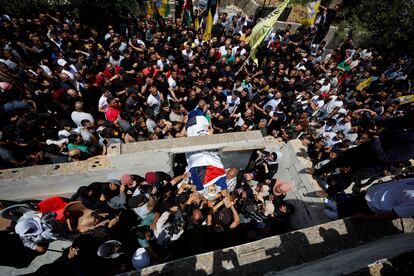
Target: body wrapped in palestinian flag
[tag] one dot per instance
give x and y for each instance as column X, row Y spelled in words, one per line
column 206, row 169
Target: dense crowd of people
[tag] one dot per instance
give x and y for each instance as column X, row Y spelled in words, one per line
column 68, row 91
column 134, row 221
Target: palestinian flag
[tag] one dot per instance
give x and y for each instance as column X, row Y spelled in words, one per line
column 197, row 123
column 187, row 13
column 206, row 169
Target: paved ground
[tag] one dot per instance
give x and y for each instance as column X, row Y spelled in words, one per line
column 308, row 207
column 54, row 252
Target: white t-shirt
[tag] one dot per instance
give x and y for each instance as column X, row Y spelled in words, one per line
column 329, row 139
column 171, row 82
column 161, row 64
column 185, row 54
column 332, row 104
column 242, row 52
column 318, row 101
column 340, row 127
column 273, row 103
column 78, row 117
column 223, row 50
column 397, row 196
column 151, row 125
column 163, row 237
column 232, row 103
column 154, row 102
column 103, row 104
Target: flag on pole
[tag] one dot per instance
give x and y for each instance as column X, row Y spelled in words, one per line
column 262, row 28
column 209, row 27
column 364, row 84
column 197, row 23
column 187, row 13
column 313, row 9
column 406, row 99
column 150, row 7
column 163, row 7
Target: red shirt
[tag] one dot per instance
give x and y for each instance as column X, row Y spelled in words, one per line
column 112, row 114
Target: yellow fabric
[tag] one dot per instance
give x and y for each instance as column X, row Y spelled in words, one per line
column 150, row 7
column 209, row 26
column 197, row 23
column 406, row 99
column 313, row 9
column 262, row 28
column 162, row 7
column 364, row 84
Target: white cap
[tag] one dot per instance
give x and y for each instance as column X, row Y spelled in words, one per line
column 61, row 62
column 140, row 259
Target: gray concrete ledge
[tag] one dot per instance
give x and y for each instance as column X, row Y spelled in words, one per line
column 283, row 251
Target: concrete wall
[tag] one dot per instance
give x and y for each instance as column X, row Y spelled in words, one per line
column 137, row 158
column 286, row 250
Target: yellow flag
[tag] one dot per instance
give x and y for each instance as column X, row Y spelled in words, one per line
column 197, row 23
column 262, row 28
column 406, row 99
column 364, row 84
column 149, row 7
column 313, row 9
column 209, row 26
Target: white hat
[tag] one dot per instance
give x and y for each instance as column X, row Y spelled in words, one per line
column 140, row 259
column 61, row 62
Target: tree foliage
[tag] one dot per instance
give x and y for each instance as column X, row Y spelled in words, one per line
column 95, row 12
column 388, row 24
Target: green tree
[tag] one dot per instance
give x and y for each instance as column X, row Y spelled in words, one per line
column 388, row 24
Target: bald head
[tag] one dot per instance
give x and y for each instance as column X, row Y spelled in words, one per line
column 232, row 172
column 281, row 187
column 78, row 105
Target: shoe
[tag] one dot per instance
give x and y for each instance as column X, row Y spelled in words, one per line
column 321, row 194
column 331, row 214
column 309, row 170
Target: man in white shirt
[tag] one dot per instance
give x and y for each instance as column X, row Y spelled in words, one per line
column 227, row 46
column 78, row 115
column 162, row 62
column 232, row 103
column 241, row 47
column 277, row 99
column 332, row 138
column 154, row 100
column 343, row 125
column 187, row 52
column 172, row 80
column 334, row 104
column 102, row 103
column 388, row 200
